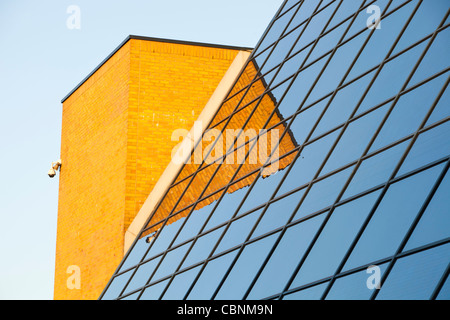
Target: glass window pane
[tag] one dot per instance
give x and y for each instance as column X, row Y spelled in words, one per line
column 434, row 225
column 442, row 109
column 343, row 105
column 337, row 68
column 393, row 217
column 307, row 8
column 353, row 286
column 409, row 113
column 211, row 276
column 278, row 213
column 170, row 262
column 424, row 22
column 142, row 275
column 355, row 139
column 416, row 276
column 155, row 291
column 117, row 285
column 335, row 239
column 323, row 193
column 238, row 231
column 391, row 78
column 346, row 9
column 164, row 238
column 308, row 162
column 436, row 58
column 202, row 247
column 305, row 121
column 382, row 40
column 312, row 293
column 180, row 285
column 430, row 146
column 245, row 268
column 300, row 88
column 276, row 30
column 285, row 258
column 376, row 170
column 444, row 294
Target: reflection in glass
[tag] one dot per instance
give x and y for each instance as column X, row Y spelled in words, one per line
column 414, row 277
column 335, row 239
column 116, row 286
column 353, row 286
column 245, row 268
column 285, row 258
column 434, row 225
column 393, row 217
column 312, row 293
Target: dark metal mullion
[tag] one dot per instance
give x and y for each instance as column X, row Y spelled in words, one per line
column 441, row 283
column 383, row 192
column 411, row 229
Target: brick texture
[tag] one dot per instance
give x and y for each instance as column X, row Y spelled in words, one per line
column 115, row 144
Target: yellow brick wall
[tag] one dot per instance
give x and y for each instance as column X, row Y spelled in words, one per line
column 115, row 143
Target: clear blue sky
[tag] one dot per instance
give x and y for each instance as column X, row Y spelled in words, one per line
column 41, row 60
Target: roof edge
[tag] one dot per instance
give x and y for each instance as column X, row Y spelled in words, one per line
column 128, row 38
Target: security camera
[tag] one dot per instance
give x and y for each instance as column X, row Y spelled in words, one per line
column 56, row 165
column 51, row 173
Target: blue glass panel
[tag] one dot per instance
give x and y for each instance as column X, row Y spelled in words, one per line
column 444, row 294
column 408, row 113
column 334, row 240
column 308, row 162
column 353, row 286
column 315, row 27
column 155, row 291
column 211, row 276
column 264, row 186
column 305, row 121
column 442, row 108
column 285, row 258
column 307, row 8
column 430, row 146
column 376, row 170
column 142, row 275
column 424, row 22
column 245, row 269
column 436, row 58
column 164, row 238
column 133, row 296
column 117, row 285
column 202, row 247
column 193, row 224
column 226, row 208
column 299, row 89
column 382, row 40
column 276, row 30
column 392, row 219
column 312, row 293
column 391, row 78
column 361, row 21
column 337, row 68
column 355, row 139
column 343, row 104
column 290, row 67
column 434, row 225
column 323, row 193
column 416, row 276
column 180, row 285
column 327, row 42
column 346, row 9
column 238, row 231
column 278, row 213
column 170, row 262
